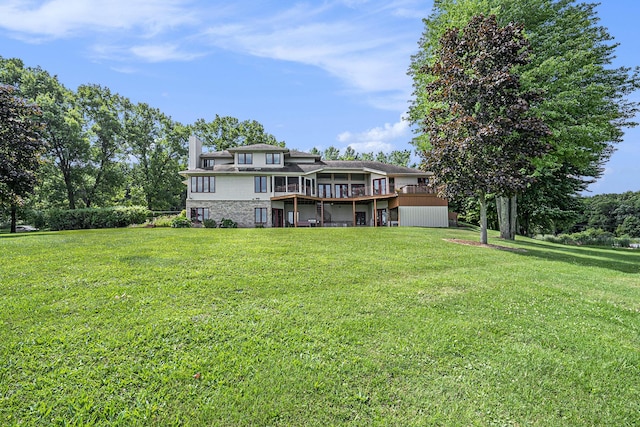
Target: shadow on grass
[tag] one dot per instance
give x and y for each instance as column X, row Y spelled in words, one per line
column 623, row 260
column 8, row 235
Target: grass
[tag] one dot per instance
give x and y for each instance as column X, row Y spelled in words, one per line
column 315, row 327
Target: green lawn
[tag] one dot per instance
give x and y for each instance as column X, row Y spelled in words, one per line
column 315, row 327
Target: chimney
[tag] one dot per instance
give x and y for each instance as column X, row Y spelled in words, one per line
column 195, row 150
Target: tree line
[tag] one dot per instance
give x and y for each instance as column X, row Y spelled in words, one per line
column 104, row 150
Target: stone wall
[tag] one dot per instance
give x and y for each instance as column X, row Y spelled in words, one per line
column 240, row 211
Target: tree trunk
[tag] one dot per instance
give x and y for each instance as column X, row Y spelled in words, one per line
column 13, row 217
column 507, row 214
column 483, row 219
column 514, row 217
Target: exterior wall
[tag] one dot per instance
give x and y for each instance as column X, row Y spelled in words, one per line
column 232, row 187
column 240, row 211
column 423, row 216
column 259, row 160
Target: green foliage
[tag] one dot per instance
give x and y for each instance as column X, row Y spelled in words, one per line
column 586, row 102
column 21, row 148
column 181, row 222
column 228, row 223
column 590, row 237
column 209, row 223
column 76, row 219
column 315, row 327
column 163, row 221
column 225, row 132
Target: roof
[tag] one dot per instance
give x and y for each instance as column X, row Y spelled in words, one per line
column 258, row 147
column 319, row 166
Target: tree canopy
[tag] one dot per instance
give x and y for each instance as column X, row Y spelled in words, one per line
column 585, row 103
column 21, row 147
column 482, row 137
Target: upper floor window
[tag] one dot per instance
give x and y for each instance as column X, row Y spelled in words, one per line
column 379, row 186
column 342, row 190
column 203, row 184
column 208, row 163
column 260, row 184
column 273, row 158
column 245, row 158
column 324, row 190
column 423, row 181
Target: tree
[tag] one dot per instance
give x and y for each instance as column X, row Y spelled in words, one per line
column 21, row 147
column 68, row 148
column 103, row 122
column 159, row 147
column 585, row 103
column 483, row 138
column 226, row 132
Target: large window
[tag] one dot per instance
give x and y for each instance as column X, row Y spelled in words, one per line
column 342, row 191
column 273, row 158
column 260, row 184
column 357, row 190
column 324, row 190
column 261, row 215
column 203, row 184
column 379, row 186
column 245, row 158
column 199, row 214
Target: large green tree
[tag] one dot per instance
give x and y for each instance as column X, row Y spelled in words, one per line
column 159, row 146
column 585, row 99
column 103, row 125
column 68, row 148
column 482, row 136
column 225, row 132
column 21, row 147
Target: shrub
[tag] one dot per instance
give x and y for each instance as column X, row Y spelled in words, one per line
column 228, row 223
column 163, row 221
column 75, row 219
column 181, row 222
column 209, row 223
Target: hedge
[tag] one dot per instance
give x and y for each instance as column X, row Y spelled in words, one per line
column 76, row 219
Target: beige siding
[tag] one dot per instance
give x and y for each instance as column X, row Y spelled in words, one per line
column 423, row 216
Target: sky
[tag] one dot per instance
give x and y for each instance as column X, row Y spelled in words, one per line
column 314, row 73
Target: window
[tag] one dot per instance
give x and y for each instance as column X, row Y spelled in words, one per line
column 379, row 186
column 203, row 184
column 199, row 214
column 357, row 190
column 208, row 163
column 423, row 181
column 324, row 190
column 260, row 184
column 273, row 158
column 342, row 190
column 245, row 158
column 280, row 183
column 261, row 215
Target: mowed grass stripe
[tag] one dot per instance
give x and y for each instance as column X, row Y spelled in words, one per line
column 354, row 326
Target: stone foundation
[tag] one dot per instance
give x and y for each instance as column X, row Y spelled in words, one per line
column 240, row 211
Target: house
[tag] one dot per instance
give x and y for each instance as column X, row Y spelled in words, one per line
column 268, row 186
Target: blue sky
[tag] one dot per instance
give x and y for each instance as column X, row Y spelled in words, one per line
column 315, row 73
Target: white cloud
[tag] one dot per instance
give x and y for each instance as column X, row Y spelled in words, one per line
column 366, row 44
column 382, row 138
column 67, row 18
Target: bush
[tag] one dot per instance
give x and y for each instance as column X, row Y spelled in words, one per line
column 163, row 221
column 209, row 223
column 181, row 222
column 228, row 223
column 75, row 219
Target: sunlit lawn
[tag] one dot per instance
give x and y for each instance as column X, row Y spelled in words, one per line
column 317, row 327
